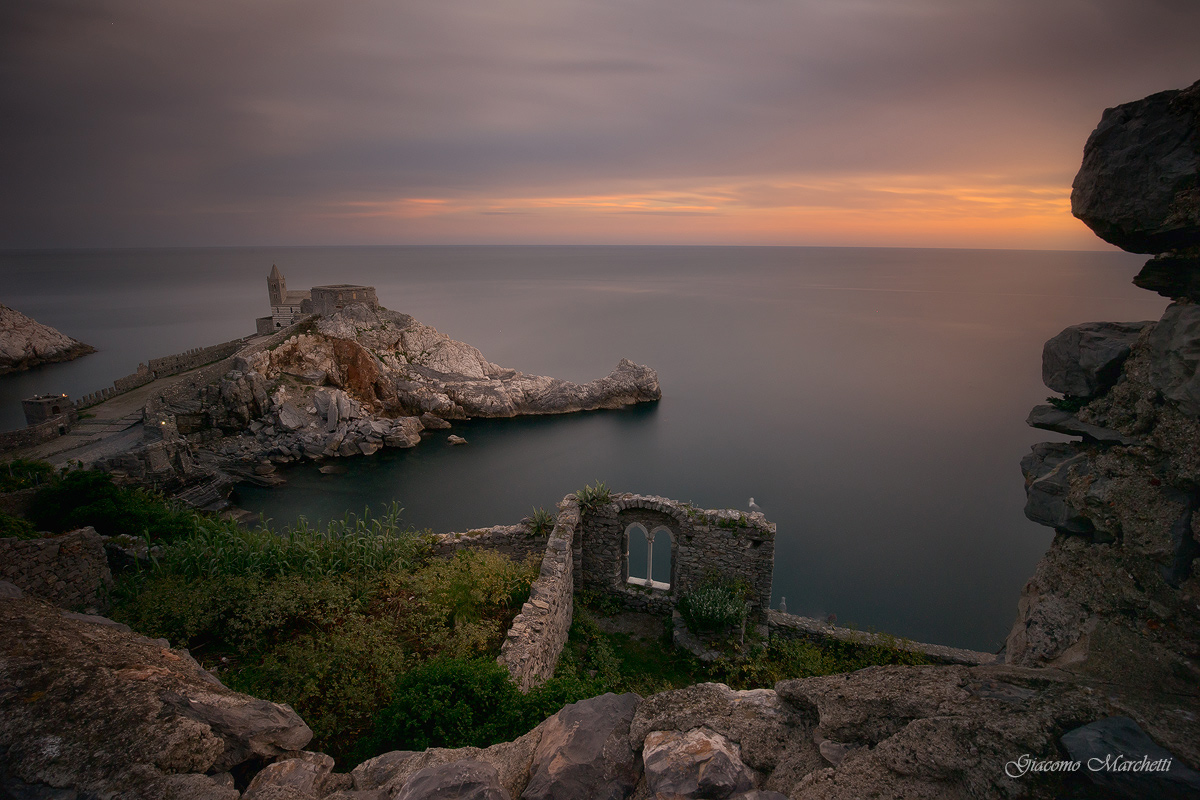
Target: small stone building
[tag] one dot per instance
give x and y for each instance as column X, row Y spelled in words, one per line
column 647, row 552
column 40, row 408
column 289, row 306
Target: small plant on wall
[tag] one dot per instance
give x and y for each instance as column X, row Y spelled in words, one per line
column 540, row 522
column 592, row 497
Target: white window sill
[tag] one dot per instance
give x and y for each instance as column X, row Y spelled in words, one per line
column 648, row 583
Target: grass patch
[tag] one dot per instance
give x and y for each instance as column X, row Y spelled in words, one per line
column 323, row 619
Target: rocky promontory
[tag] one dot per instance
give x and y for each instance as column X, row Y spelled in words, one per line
column 346, row 384
column 25, row 343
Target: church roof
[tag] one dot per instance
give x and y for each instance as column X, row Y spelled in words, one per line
column 275, row 273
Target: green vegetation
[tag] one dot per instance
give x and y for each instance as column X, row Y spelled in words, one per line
column 89, row 497
column 24, row 473
column 541, row 522
column 11, row 526
column 380, row 647
column 323, row 619
column 714, row 606
column 592, row 497
column 357, row 544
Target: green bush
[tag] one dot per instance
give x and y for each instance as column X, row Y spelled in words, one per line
column 475, row 583
column 24, row 473
column 714, row 605
column 89, row 497
column 17, row 527
column 336, row 679
column 449, row 703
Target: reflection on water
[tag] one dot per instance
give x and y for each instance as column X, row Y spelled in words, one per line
column 872, row 401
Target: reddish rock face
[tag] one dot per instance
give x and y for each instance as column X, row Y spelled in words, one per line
column 360, row 375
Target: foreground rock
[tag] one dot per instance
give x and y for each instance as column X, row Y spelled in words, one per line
column 1137, row 186
column 104, row 712
column 26, row 343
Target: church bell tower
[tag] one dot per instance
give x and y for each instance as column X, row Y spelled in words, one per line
column 276, row 287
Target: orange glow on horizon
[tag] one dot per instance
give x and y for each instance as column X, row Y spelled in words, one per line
column 877, row 210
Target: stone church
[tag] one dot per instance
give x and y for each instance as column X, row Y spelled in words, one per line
column 287, row 307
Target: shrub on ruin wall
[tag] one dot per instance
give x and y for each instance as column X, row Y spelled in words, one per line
column 592, row 497
column 715, row 605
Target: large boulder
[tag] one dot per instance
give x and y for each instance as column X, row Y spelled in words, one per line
column 1137, row 187
column 1085, row 360
column 698, row 763
column 1122, row 759
column 1175, row 356
column 102, row 712
column 585, row 752
column 459, row 780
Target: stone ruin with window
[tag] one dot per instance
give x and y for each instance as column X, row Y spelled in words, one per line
column 644, row 552
column 647, row 552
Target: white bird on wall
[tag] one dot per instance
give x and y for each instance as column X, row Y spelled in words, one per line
column 754, row 505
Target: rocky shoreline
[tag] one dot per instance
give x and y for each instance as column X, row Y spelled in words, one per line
column 26, row 343
column 336, row 386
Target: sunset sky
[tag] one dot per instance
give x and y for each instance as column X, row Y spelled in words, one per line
column 938, row 123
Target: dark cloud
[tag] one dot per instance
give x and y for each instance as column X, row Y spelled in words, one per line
column 142, row 122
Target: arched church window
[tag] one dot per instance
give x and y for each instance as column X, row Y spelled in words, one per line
column 648, row 556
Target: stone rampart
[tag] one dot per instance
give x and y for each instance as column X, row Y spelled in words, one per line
column 536, row 638
column 163, row 367
column 196, row 357
column 36, row 434
column 514, row 541
column 790, row 626
column 70, row 570
column 705, row 544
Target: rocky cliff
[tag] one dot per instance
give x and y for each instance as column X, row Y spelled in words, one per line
column 347, row 384
column 1116, row 595
column 25, row 343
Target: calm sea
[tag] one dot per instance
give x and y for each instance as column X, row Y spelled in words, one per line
column 870, row 400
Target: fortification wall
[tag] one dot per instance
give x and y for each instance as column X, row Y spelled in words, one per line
column 790, row 626
column 163, row 367
column 514, row 541
column 70, row 570
column 536, row 638
column 36, row 434
column 705, row 544
column 191, row 359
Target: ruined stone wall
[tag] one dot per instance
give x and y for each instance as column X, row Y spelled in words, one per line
column 725, row 544
column 791, row 626
column 514, row 541
column 36, row 434
column 70, row 570
column 536, row 638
